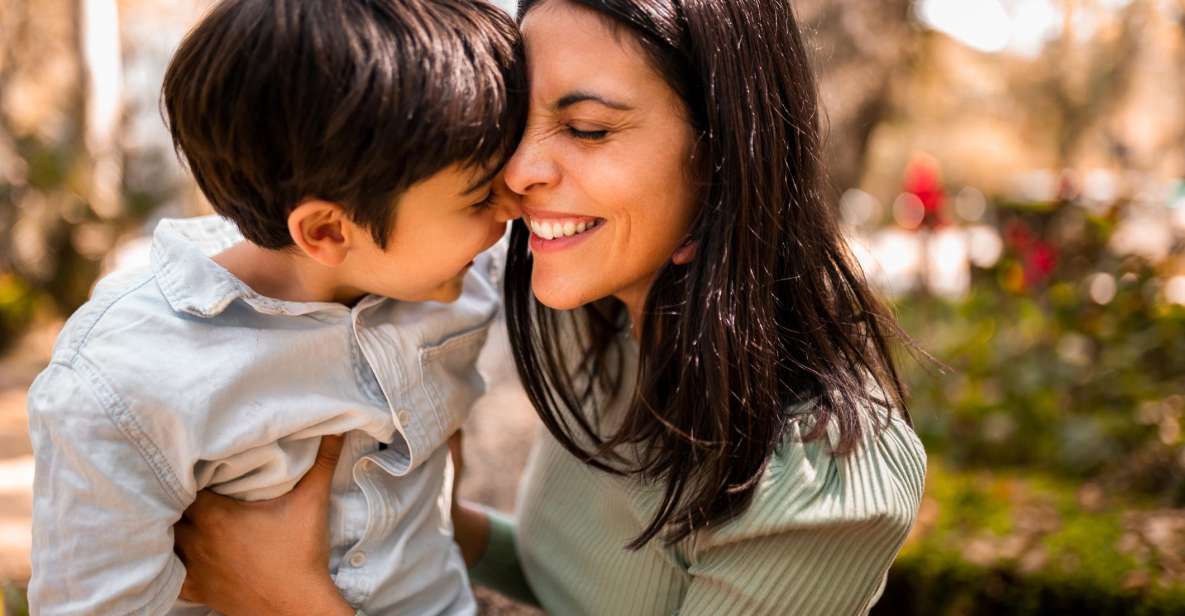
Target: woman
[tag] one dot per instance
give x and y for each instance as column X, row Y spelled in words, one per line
column 726, row 432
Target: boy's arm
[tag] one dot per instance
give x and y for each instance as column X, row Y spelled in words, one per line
column 104, row 502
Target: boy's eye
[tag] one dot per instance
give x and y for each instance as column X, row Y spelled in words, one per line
column 484, row 203
column 587, row 135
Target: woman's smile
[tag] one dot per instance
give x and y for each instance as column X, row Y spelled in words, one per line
column 603, row 168
column 551, row 231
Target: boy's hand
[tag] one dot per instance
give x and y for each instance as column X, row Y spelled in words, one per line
column 265, row 557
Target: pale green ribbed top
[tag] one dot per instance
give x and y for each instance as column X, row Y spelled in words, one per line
column 817, row 540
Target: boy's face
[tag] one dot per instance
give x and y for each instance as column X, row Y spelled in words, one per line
column 440, row 227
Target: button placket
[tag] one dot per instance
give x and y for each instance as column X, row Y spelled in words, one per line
column 357, row 558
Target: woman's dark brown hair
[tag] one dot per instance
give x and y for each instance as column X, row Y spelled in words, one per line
column 772, row 314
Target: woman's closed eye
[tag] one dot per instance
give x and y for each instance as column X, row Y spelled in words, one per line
column 587, row 134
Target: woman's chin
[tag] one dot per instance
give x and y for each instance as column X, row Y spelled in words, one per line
column 558, row 301
column 558, row 292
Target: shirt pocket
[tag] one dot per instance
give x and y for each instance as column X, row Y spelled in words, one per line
column 451, row 377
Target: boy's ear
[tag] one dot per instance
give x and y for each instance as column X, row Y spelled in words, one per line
column 320, row 230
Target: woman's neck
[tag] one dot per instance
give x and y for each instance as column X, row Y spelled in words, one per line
column 635, row 304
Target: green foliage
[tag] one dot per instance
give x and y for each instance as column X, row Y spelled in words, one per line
column 1043, row 375
column 50, row 209
column 955, row 588
column 16, row 305
column 1056, row 435
column 992, row 542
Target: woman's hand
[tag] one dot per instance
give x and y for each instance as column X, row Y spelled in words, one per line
column 265, row 557
column 471, row 527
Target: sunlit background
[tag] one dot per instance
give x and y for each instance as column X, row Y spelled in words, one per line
column 1011, row 174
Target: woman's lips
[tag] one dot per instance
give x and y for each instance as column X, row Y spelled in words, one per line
column 556, row 232
column 554, row 228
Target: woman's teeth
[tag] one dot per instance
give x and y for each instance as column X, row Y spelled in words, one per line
column 554, row 229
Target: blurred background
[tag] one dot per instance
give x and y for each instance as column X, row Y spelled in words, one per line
column 1011, row 174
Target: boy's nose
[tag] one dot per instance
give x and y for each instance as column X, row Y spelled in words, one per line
column 508, row 203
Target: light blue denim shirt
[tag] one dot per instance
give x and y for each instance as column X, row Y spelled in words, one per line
column 180, row 377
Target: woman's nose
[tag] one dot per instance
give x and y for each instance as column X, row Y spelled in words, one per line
column 530, row 167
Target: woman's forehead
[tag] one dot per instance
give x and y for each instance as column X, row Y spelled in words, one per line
column 572, row 49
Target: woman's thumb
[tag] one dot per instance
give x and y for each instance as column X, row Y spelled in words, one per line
column 320, row 476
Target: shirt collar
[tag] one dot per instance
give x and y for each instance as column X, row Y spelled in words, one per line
column 194, row 284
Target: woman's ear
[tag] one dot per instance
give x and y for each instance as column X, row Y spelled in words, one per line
column 319, row 229
column 686, row 253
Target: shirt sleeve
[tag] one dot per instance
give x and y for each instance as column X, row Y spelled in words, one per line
column 103, row 510
column 820, row 535
column 499, row 568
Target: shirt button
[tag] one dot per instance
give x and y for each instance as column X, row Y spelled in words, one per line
column 357, row 559
column 404, row 416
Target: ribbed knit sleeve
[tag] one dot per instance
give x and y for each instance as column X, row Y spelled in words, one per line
column 821, row 533
column 817, row 539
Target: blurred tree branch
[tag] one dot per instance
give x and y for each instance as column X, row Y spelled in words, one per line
column 859, row 47
column 1087, row 85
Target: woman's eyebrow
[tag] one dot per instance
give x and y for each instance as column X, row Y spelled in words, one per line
column 573, row 98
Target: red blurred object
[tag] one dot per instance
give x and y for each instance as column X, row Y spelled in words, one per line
column 1040, row 260
column 923, row 178
column 1018, row 235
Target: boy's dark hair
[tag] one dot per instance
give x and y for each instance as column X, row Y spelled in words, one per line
column 272, row 102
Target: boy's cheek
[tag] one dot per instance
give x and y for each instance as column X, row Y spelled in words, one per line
column 450, row 291
column 509, row 202
column 496, row 233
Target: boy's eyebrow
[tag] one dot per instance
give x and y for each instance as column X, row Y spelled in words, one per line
column 481, row 185
column 578, row 96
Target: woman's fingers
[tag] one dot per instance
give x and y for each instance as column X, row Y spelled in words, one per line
column 249, row 557
column 184, row 535
column 205, row 504
column 188, row 592
column 319, row 479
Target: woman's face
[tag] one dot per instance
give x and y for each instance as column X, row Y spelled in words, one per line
column 603, row 167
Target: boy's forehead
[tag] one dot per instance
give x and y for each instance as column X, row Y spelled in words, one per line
column 454, row 181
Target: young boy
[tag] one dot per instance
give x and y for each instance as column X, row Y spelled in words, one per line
column 348, row 147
